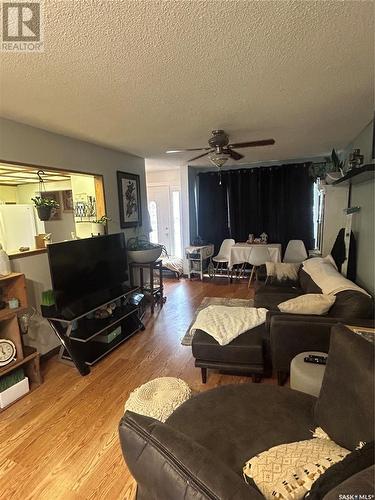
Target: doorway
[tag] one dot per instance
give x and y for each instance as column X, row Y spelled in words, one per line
column 165, row 217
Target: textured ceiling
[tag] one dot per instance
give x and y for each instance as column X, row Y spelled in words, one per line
column 144, row 76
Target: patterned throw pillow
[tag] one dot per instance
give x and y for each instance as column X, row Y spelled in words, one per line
column 288, row 471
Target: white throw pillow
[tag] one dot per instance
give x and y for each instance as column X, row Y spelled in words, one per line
column 288, row 471
column 309, row 303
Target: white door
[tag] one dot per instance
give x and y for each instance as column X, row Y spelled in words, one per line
column 159, row 209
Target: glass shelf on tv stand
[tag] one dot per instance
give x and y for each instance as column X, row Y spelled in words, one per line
column 74, row 334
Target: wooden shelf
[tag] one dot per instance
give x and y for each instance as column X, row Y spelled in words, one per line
column 9, row 313
column 14, row 285
column 29, row 354
column 30, row 364
column 357, row 175
column 10, row 276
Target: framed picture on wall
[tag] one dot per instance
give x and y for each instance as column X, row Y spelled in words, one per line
column 129, row 194
column 67, row 200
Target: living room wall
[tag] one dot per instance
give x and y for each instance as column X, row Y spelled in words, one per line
column 29, row 145
column 363, row 195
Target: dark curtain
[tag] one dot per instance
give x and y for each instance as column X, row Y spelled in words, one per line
column 212, row 209
column 277, row 200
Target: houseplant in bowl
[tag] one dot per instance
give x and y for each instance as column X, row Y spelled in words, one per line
column 142, row 251
column 98, row 225
column 44, row 207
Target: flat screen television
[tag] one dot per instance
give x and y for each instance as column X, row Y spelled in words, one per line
column 87, row 273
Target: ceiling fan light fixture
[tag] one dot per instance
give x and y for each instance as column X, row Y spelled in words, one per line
column 218, row 159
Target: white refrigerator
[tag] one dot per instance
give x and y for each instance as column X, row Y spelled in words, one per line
column 17, row 227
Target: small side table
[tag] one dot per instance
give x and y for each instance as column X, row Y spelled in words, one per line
column 306, row 377
column 156, row 292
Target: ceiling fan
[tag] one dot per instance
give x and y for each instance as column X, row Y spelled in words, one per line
column 219, row 150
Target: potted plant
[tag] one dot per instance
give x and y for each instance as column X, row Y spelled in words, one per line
column 98, row 225
column 48, row 306
column 44, row 207
column 329, row 171
column 142, row 251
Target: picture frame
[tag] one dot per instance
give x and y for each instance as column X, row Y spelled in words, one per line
column 67, row 200
column 129, row 194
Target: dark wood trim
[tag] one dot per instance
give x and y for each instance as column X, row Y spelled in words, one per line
column 19, row 255
column 46, row 167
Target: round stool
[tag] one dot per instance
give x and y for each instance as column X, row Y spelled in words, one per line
column 158, row 398
column 306, row 377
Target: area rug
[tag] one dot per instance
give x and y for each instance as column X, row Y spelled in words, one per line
column 214, row 301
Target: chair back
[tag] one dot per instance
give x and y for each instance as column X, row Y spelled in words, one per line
column 259, row 255
column 295, row 252
column 225, row 248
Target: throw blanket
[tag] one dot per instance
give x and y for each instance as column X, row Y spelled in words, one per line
column 225, row 323
column 326, row 276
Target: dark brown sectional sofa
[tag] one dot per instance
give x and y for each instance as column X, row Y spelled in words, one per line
column 286, row 335
column 200, row 451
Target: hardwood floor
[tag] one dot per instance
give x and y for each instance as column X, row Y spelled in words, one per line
column 61, row 441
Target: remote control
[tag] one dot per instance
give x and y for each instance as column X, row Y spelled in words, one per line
column 318, row 360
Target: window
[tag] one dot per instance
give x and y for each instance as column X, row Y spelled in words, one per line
column 176, row 223
column 153, row 221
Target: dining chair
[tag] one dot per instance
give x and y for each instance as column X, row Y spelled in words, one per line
column 295, row 252
column 223, row 256
column 259, row 255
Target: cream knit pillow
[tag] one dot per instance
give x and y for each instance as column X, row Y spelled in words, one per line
column 309, row 303
column 288, row 471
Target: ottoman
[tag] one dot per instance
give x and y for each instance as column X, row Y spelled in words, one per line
column 306, row 377
column 158, row 398
column 244, row 355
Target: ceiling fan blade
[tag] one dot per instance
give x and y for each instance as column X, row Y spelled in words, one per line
column 170, row 151
column 233, row 154
column 252, row 144
column 200, row 156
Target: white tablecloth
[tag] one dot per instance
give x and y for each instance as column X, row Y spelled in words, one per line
column 240, row 253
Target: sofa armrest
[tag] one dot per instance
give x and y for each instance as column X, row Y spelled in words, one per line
column 167, row 465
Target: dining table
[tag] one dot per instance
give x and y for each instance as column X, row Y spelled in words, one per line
column 240, row 252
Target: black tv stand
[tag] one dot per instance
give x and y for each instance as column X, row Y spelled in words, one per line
column 77, row 335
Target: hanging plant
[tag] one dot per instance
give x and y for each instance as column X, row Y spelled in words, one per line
column 44, row 207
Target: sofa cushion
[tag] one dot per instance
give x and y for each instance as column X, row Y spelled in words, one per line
column 245, row 349
column 345, row 408
column 307, row 284
column 352, row 304
column 309, row 303
column 238, row 421
column 270, row 297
